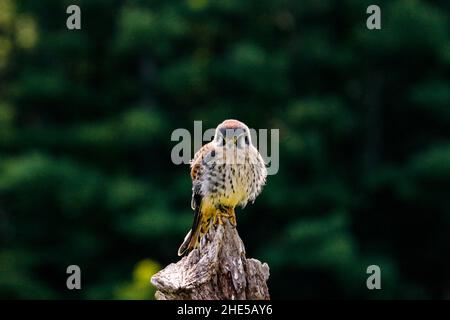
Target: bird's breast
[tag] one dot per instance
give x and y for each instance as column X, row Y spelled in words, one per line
column 229, row 184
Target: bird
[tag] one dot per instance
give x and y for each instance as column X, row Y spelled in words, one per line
column 227, row 172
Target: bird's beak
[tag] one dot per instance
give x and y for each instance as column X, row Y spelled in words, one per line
column 231, row 140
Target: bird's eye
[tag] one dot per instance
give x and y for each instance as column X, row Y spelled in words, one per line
column 222, row 141
column 247, row 141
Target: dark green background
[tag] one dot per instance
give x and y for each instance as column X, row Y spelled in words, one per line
column 86, row 117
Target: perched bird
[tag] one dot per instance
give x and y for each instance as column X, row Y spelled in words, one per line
column 227, row 172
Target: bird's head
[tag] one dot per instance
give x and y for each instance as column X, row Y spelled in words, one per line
column 231, row 134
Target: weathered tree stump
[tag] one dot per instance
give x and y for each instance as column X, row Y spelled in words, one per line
column 217, row 270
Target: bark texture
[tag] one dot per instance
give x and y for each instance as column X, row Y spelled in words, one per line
column 217, row 270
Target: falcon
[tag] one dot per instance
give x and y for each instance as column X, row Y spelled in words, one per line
column 226, row 172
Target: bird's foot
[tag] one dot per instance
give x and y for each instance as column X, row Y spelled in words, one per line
column 217, row 220
column 226, row 213
column 232, row 218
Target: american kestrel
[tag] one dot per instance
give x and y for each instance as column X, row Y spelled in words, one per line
column 227, row 172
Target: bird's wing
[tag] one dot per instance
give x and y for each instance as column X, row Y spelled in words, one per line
column 196, row 172
column 198, row 158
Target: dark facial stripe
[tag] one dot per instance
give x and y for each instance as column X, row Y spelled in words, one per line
column 223, row 131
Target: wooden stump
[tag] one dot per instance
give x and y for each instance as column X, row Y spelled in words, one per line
column 217, row 270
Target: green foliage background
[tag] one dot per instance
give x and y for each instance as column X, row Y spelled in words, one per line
column 86, row 117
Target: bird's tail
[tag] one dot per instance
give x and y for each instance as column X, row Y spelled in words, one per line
column 185, row 245
column 192, row 238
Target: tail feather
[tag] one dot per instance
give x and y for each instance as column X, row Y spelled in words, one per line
column 185, row 245
column 190, row 241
